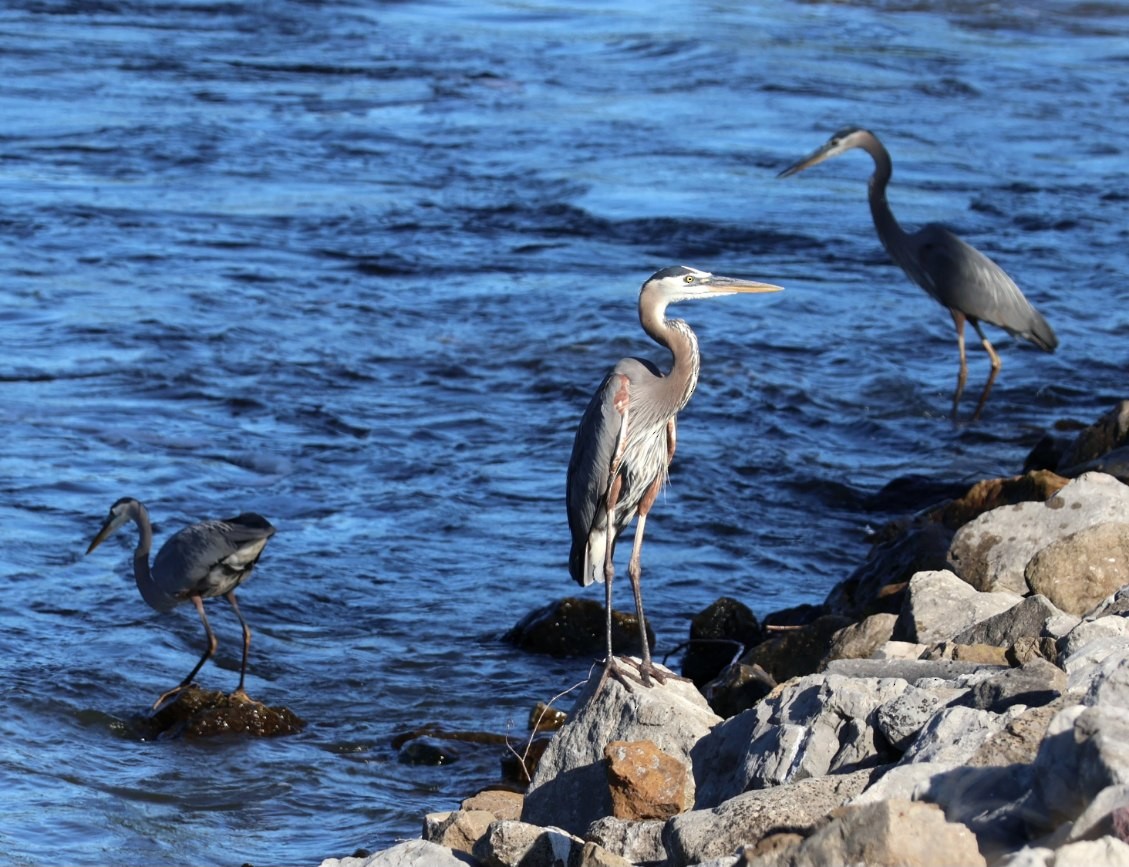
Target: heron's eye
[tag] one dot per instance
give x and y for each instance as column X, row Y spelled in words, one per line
column 689, row 278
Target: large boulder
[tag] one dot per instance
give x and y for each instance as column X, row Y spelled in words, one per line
column 570, row 788
column 993, row 551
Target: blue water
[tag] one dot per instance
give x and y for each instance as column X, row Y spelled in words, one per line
column 359, row 266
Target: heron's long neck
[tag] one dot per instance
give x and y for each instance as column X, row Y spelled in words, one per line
column 679, row 383
column 150, row 592
column 889, row 232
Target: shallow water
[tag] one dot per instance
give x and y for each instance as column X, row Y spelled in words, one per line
column 359, row 266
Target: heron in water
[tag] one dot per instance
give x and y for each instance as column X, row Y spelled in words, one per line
column 973, row 287
column 210, row 558
column 626, row 439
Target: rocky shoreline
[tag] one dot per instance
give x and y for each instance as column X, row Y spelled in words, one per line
column 961, row 699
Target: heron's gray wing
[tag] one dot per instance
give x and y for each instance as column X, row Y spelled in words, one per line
column 211, row 557
column 589, row 469
column 964, row 279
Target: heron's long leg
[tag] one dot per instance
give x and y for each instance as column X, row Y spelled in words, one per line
column 230, row 597
column 962, row 374
column 634, row 566
column 208, row 651
column 992, row 374
column 622, row 403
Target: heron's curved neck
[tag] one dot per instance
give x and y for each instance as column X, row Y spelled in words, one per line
column 679, row 383
column 889, row 232
column 150, row 592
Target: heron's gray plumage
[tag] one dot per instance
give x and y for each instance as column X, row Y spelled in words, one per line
column 206, row 559
column 954, row 273
column 625, row 441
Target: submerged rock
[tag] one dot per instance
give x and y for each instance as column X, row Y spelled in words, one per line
column 201, row 713
column 577, row 627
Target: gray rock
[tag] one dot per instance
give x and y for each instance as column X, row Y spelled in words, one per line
column 900, row 718
column 1078, row 571
column 810, row 727
column 570, row 787
column 939, row 605
column 926, row 672
column 953, row 735
column 637, row 841
column 1035, row 683
column 518, row 844
column 410, row 853
column 992, row 551
column 1103, row 852
column 1032, row 617
column 745, row 819
column 1097, row 819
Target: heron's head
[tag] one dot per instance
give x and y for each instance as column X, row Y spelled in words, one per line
column 683, row 283
column 124, row 510
column 844, row 140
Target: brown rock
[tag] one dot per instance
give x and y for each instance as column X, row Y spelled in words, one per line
column 1037, row 485
column 738, row 688
column 1019, row 741
column 458, row 830
column 890, row 834
column 645, row 782
column 987, row 654
column 1078, row 571
column 503, row 803
column 860, row 640
column 199, row 713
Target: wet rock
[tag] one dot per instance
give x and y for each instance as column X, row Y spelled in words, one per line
column 201, row 713
column 1108, row 433
column 1078, row 571
column 574, row 627
column 793, row 651
column 719, row 635
column 877, row 585
column 519, row 763
column 645, row 782
column 993, row 551
column 427, row 751
column 544, row 718
column 939, row 605
column 749, row 817
column 738, row 688
column 570, row 787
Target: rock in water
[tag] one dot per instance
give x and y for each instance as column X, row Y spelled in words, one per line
column 199, row 713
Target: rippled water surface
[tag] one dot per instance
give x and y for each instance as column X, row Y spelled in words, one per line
column 358, row 267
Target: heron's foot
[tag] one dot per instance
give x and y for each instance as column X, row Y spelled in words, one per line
column 241, row 696
column 168, row 694
column 630, row 671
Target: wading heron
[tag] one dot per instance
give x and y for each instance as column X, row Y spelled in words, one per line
column 626, row 440
column 210, row 558
column 973, row 287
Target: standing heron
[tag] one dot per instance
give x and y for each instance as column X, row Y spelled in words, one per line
column 960, row 277
column 210, row 558
column 626, row 439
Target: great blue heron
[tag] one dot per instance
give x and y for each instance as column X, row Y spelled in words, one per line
column 210, row 558
column 626, row 439
column 960, row 277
